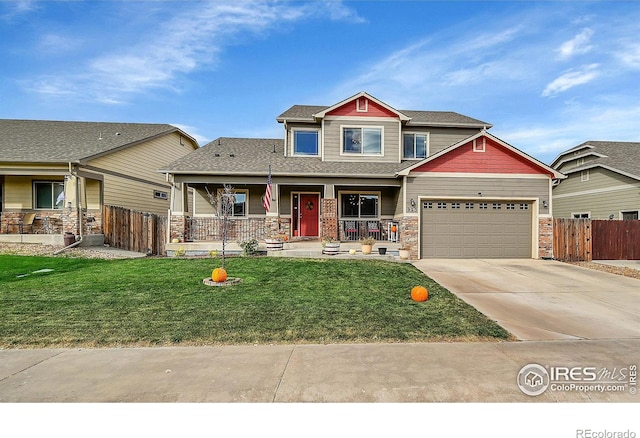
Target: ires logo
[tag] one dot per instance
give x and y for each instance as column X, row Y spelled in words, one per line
column 535, row 379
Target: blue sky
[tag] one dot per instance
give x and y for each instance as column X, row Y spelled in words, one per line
column 548, row 75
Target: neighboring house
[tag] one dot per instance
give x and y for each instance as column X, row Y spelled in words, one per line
column 362, row 168
column 51, row 170
column 603, row 181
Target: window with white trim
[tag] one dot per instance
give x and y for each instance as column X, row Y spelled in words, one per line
column 359, row 205
column 365, row 141
column 524, row 206
column 511, row 206
column 584, row 175
column 48, row 195
column 455, row 205
column 483, row 206
column 442, row 205
column 415, row 145
column 305, row 142
column 580, row 215
column 468, row 205
column 240, row 200
column 496, row 206
column 427, row 205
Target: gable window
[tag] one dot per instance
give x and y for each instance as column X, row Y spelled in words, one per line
column 362, row 105
column 360, row 205
column 305, row 142
column 365, row 141
column 48, row 194
column 414, row 146
column 584, row 175
column 239, row 202
column 480, row 146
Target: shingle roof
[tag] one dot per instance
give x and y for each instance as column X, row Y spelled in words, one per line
column 424, row 118
column 252, row 156
column 44, row 141
column 618, row 155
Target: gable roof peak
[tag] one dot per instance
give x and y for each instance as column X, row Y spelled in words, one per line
column 321, row 114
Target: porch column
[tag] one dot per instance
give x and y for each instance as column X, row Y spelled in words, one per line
column 329, row 218
column 409, row 234
column 545, row 237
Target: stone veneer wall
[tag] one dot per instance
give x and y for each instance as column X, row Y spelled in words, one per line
column 177, row 227
column 60, row 222
column 409, row 234
column 545, row 237
column 329, row 218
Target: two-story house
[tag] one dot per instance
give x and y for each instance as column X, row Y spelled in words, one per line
column 435, row 181
column 603, row 181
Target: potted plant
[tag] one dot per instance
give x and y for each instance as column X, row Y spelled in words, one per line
column 405, row 252
column 366, row 244
column 275, row 242
column 330, row 246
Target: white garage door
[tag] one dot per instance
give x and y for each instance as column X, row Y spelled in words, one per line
column 471, row 229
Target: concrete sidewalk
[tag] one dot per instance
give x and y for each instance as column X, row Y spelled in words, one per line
column 428, row 372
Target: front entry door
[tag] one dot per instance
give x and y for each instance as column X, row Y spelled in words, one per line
column 308, row 215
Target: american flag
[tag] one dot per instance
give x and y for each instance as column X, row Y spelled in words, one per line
column 267, row 194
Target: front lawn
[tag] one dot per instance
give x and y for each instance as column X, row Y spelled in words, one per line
column 158, row 301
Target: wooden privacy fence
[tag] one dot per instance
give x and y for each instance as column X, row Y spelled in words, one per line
column 616, row 240
column 586, row 240
column 572, row 240
column 134, row 230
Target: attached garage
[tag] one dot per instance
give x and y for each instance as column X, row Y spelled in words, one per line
column 476, row 229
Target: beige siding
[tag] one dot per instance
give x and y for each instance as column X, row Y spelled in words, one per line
column 469, row 187
column 605, row 193
column 93, row 188
column 131, row 177
column 333, row 146
column 441, row 138
column 18, row 192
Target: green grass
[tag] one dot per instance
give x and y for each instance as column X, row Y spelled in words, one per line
column 158, row 301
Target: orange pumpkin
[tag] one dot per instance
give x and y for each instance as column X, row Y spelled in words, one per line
column 419, row 293
column 219, row 275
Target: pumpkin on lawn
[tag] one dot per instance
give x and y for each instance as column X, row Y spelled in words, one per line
column 419, row 293
column 219, row 275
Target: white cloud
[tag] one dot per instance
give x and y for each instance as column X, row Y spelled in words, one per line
column 578, row 45
column 571, row 79
column 630, row 55
column 190, row 40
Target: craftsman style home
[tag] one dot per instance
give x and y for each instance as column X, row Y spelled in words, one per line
column 603, row 181
column 56, row 176
column 437, row 182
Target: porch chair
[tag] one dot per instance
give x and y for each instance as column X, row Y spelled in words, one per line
column 350, row 230
column 373, row 227
column 26, row 221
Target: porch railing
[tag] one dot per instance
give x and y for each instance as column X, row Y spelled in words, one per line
column 356, row 229
column 210, row 229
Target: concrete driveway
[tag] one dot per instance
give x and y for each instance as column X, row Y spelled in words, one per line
column 542, row 299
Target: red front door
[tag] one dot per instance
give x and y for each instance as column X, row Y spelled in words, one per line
column 308, row 214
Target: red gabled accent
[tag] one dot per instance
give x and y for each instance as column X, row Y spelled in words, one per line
column 495, row 159
column 373, row 109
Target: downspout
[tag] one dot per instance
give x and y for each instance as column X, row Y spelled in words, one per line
column 78, row 209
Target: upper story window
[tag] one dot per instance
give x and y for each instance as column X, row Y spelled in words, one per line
column 305, row 142
column 584, row 175
column 365, row 141
column 49, row 194
column 415, row 145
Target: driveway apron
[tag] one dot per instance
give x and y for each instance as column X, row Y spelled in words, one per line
column 543, row 299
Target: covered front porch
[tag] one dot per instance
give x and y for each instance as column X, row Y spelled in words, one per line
column 299, row 210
